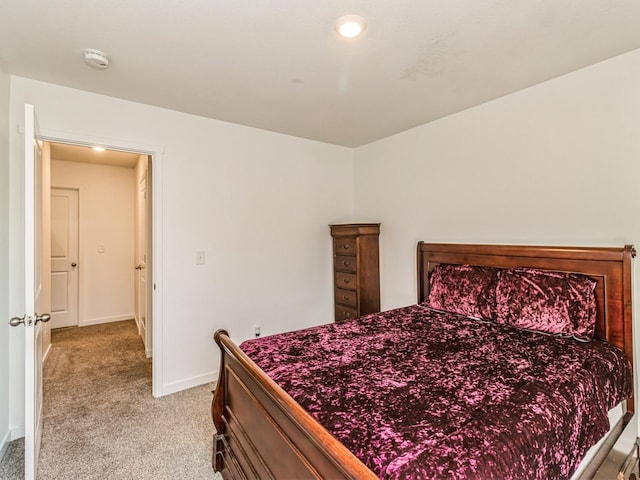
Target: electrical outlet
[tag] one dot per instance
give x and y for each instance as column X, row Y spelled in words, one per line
column 256, row 330
column 101, row 248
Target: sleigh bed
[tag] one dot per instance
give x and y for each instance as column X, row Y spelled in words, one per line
column 451, row 387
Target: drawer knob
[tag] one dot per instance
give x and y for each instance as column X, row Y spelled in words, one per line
column 346, row 280
column 345, row 246
column 346, row 314
column 345, row 263
column 345, row 297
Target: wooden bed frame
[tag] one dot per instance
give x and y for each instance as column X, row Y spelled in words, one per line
column 263, row 433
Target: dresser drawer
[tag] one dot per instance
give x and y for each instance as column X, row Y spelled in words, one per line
column 345, row 246
column 346, row 280
column 348, row 298
column 345, row 313
column 345, row 264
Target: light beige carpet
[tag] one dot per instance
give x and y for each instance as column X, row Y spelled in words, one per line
column 101, row 421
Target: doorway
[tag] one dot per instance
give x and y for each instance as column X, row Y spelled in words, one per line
column 105, row 278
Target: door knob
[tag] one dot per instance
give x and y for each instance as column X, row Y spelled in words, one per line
column 139, row 267
column 15, row 321
column 74, row 264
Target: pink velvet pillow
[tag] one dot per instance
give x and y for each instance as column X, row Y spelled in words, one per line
column 467, row 290
column 552, row 302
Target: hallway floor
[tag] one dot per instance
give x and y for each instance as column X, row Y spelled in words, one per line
column 101, row 421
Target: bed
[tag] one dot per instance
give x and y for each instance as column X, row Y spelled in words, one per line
column 264, row 431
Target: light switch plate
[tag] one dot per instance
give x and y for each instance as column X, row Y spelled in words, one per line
column 199, row 258
column 101, row 248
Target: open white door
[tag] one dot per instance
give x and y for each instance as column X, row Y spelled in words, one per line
column 141, row 261
column 32, row 292
column 143, row 252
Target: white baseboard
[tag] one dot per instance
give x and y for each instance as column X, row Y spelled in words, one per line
column 5, row 444
column 174, row 387
column 114, row 318
column 16, row 432
column 148, row 352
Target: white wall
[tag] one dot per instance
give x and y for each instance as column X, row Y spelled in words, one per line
column 4, row 262
column 106, row 218
column 557, row 163
column 258, row 203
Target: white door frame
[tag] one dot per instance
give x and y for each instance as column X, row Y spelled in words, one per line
column 156, row 154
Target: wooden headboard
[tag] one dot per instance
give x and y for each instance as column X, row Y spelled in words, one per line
column 609, row 267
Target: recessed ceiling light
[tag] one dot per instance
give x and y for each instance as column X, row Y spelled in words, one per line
column 98, row 149
column 350, row 25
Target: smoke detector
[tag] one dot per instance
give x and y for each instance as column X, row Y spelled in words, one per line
column 96, row 58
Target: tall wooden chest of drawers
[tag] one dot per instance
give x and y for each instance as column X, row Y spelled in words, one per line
column 356, row 269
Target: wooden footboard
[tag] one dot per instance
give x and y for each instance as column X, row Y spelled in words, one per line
column 263, row 433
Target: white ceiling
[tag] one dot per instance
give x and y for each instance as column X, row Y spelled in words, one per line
column 279, row 65
column 76, row 153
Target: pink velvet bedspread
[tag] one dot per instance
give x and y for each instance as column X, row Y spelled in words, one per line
column 419, row 394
